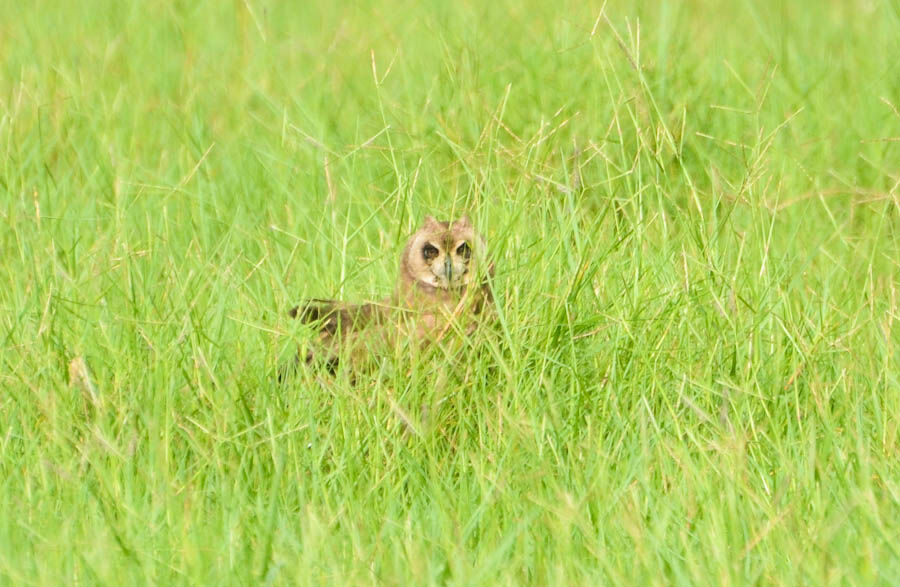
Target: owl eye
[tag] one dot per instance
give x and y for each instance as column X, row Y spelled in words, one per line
column 464, row 251
column 429, row 252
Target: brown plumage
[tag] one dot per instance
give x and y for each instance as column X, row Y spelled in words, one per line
column 437, row 291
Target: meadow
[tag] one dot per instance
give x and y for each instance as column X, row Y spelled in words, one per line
column 694, row 213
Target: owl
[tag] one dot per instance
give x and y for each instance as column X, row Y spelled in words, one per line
column 438, row 290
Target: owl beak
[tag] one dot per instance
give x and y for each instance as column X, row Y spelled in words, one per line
column 448, row 269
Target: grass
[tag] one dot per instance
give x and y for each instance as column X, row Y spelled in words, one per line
column 694, row 214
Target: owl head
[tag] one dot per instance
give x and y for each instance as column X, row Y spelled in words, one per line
column 441, row 254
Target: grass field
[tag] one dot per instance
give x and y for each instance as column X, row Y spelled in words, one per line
column 694, row 211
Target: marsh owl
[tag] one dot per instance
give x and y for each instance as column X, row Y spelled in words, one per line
column 437, row 291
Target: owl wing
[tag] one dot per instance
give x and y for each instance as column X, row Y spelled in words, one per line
column 332, row 316
column 340, row 325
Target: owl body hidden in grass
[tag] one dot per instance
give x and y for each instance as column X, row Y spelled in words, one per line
column 437, row 293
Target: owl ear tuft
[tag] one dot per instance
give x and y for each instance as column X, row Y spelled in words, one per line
column 431, row 223
column 463, row 222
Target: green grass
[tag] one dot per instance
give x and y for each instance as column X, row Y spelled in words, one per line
column 694, row 209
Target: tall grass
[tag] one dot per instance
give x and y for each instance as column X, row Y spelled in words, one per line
column 693, row 210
